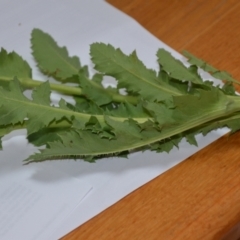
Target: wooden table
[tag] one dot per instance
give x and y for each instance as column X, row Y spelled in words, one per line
column 199, row 198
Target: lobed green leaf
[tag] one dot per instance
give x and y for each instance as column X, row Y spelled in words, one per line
column 52, row 59
column 223, row 75
column 176, row 69
column 130, row 73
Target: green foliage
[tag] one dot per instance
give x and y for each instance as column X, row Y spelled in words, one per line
column 157, row 112
column 130, row 73
column 51, row 59
column 12, row 65
column 223, row 75
column 179, row 71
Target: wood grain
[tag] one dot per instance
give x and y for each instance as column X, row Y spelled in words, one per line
column 199, row 198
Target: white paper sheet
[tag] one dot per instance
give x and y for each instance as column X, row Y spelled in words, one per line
column 76, row 24
column 34, row 199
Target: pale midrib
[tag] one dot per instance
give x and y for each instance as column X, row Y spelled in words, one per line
column 143, row 79
column 186, row 126
column 71, row 90
column 72, row 113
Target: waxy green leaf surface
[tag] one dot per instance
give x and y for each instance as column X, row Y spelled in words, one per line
column 159, row 109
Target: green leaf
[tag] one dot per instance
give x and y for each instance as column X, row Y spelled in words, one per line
column 15, row 108
column 162, row 114
column 159, row 110
column 128, row 127
column 182, row 86
column 191, row 139
column 223, row 75
column 232, row 122
column 45, row 135
column 130, row 73
column 83, row 144
column 229, row 89
column 12, row 65
column 52, row 59
column 6, row 129
column 176, row 69
column 128, row 110
column 130, row 134
column 94, row 91
column 166, row 145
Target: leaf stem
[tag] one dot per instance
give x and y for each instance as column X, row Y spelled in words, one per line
column 208, row 117
column 69, row 90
